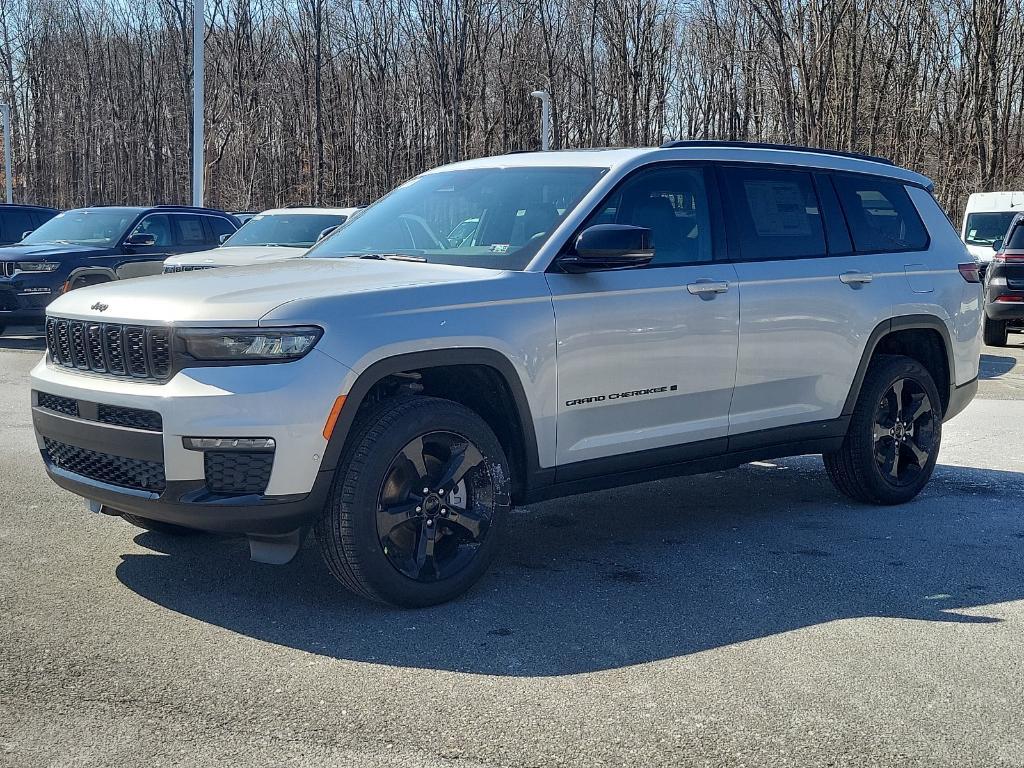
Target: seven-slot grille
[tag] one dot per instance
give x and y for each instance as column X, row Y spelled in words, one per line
column 7, row 268
column 170, row 268
column 131, row 351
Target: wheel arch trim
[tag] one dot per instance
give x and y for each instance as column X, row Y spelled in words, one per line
column 480, row 356
column 893, row 325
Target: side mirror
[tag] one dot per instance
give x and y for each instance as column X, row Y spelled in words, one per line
column 141, row 238
column 997, row 244
column 26, row 233
column 325, row 232
column 609, row 246
column 223, row 238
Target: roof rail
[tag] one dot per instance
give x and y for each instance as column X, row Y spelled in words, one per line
column 184, row 207
column 784, row 147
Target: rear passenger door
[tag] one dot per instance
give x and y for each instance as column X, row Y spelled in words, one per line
column 809, row 302
column 191, row 234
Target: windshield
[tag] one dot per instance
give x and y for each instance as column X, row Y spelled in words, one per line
column 496, row 218
column 91, row 227
column 986, row 228
column 296, row 230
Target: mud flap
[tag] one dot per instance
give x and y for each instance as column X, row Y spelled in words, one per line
column 275, row 549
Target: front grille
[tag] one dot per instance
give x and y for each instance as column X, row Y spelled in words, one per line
column 172, row 268
column 105, row 467
column 131, row 351
column 64, row 405
column 7, row 268
column 135, row 418
column 238, row 471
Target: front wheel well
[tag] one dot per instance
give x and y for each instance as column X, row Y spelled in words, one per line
column 479, row 387
column 925, row 345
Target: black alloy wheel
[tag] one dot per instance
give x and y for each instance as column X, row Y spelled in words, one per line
column 434, row 507
column 904, row 432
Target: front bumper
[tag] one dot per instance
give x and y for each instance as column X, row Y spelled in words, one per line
column 23, row 304
column 288, row 402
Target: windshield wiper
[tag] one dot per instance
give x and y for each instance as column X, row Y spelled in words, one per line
column 394, row 257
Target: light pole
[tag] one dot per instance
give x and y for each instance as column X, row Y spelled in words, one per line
column 545, row 118
column 5, row 110
column 198, row 28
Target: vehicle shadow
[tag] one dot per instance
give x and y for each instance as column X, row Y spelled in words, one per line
column 994, row 366
column 635, row 575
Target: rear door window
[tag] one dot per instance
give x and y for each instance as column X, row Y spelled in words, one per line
column 190, row 231
column 880, row 215
column 776, row 213
column 220, row 227
column 1015, row 237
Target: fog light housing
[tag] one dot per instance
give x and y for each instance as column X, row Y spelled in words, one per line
column 229, row 443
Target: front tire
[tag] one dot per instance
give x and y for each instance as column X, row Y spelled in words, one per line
column 419, row 503
column 994, row 332
column 893, row 439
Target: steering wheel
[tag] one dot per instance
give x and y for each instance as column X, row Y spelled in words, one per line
column 408, row 218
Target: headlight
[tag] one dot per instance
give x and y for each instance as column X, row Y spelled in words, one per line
column 37, row 266
column 248, row 344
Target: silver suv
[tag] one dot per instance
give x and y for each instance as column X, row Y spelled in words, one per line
column 517, row 328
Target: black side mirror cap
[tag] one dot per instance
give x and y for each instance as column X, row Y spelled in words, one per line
column 141, row 238
column 26, row 233
column 223, row 238
column 325, row 232
column 607, row 247
column 997, row 244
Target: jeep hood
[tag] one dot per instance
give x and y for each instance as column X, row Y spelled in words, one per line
column 238, row 255
column 48, row 251
column 242, row 295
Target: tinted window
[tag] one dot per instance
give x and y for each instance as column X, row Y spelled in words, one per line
column 190, row 230
column 220, row 226
column 880, row 214
column 14, row 223
column 1015, row 237
column 776, row 213
column 159, row 226
column 985, row 228
column 673, row 204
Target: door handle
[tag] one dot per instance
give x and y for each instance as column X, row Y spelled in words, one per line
column 706, row 287
column 856, row 278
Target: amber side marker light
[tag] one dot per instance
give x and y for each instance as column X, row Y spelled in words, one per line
column 332, row 418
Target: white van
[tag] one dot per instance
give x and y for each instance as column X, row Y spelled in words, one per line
column 986, row 220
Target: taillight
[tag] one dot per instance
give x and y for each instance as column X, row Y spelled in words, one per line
column 1008, row 258
column 969, row 271
column 1013, row 298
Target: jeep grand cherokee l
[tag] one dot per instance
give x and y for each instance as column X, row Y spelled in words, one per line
column 613, row 316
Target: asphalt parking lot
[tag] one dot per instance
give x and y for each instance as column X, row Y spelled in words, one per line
column 751, row 617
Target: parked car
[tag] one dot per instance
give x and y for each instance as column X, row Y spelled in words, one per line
column 1004, row 286
column 620, row 315
column 243, row 216
column 16, row 221
column 87, row 246
column 281, row 233
column 986, row 219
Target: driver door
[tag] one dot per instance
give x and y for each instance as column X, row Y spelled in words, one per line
column 647, row 356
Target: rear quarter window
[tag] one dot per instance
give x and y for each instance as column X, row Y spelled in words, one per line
column 1015, row 237
column 880, row 215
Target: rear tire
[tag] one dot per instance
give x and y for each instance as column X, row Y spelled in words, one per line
column 419, row 503
column 994, row 332
column 158, row 526
column 893, row 439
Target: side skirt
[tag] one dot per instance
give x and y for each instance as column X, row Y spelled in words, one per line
column 688, row 459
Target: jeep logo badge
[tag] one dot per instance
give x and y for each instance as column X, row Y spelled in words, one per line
column 99, row 306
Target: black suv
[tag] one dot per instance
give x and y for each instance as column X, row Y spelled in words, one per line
column 1004, row 286
column 94, row 245
column 17, row 220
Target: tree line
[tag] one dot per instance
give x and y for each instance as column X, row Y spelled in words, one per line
column 336, row 101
